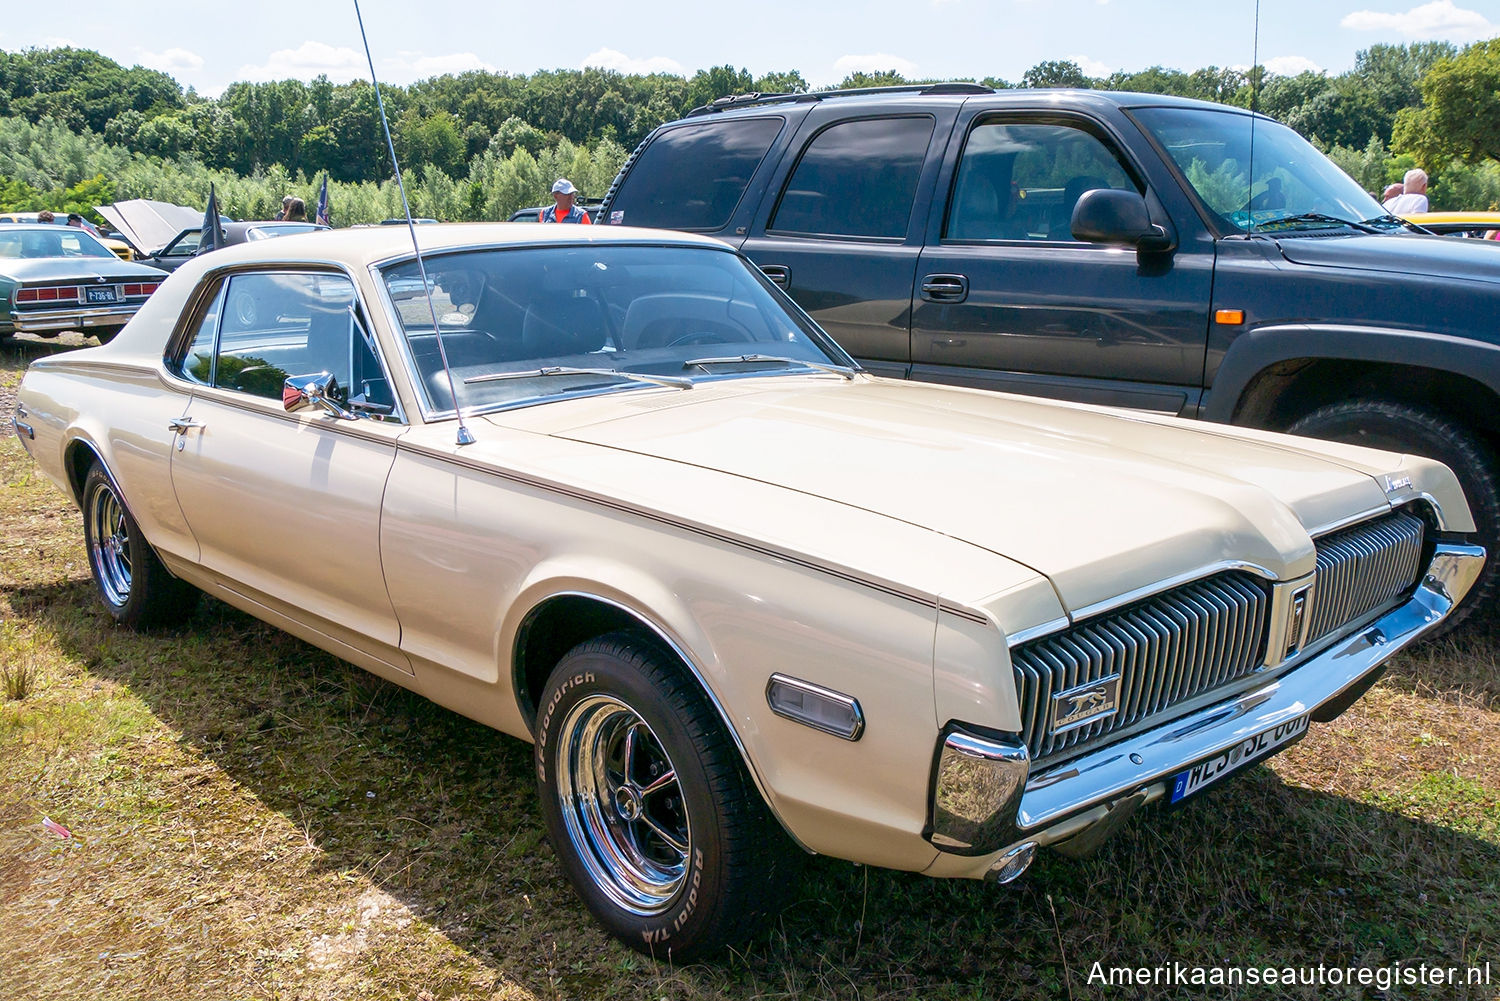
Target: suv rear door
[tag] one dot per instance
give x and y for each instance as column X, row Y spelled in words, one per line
column 842, row 234
column 1007, row 299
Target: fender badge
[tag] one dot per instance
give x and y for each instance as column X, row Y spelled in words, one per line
column 1394, row 483
column 1085, row 704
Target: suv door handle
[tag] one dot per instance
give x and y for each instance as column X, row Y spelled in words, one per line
column 945, row 288
column 780, row 274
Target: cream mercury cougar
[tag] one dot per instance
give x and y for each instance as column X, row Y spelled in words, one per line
column 611, row 492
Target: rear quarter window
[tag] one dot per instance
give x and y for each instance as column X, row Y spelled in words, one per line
column 856, row 179
column 692, row 177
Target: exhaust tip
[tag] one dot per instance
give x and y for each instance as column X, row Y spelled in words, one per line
column 1012, row 864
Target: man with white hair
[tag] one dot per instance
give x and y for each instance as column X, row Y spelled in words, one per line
column 1414, row 196
column 563, row 209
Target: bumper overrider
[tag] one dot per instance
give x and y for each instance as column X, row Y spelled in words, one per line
column 72, row 319
column 990, row 811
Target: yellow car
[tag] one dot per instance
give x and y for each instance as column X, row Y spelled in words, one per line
column 120, row 248
column 1474, row 225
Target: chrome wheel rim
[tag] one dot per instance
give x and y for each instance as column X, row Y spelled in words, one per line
column 622, row 805
column 110, row 550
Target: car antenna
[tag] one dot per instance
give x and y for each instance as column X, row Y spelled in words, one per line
column 1254, row 93
column 465, row 436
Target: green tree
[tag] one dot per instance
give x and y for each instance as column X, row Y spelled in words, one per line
column 1056, row 73
column 1460, row 115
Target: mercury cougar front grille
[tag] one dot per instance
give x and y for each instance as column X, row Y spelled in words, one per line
column 1114, row 670
column 1362, row 568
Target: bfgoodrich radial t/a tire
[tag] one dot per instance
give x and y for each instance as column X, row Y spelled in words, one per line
column 1401, row 427
column 648, row 806
column 134, row 586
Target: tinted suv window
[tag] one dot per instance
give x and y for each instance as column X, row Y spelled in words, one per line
column 856, row 179
column 693, row 177
column 1021, row 181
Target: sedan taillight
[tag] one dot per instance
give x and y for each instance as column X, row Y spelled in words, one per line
column 143, row 288
column 48, row 293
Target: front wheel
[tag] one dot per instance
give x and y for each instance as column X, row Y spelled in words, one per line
column 1401, row 427
column 648, row 806
column 136, row 589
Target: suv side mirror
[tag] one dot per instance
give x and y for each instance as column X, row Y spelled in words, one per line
column 1106, row 215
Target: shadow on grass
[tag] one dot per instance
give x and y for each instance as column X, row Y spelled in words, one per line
column 1255, row 873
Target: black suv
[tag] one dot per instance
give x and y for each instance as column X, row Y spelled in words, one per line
column 1100, row 247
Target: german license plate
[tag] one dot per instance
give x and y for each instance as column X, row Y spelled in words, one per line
column 100, row 293
column 1241, row 755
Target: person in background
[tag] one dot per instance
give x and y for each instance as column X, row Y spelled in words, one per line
column 562, row 208
column 1391, row 191
column 45, row 215
column 296, row 211
column 76, row 221
column 286, row 205
column 1414, row 194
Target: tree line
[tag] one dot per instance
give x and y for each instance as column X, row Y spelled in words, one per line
column 481, row 144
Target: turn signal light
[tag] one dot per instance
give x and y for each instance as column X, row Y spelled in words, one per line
column 815, row 706
column 1229, row 316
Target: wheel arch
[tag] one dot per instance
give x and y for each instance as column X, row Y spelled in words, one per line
column 559, row 618
column 1271, row 375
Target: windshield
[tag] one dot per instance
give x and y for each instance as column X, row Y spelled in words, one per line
column 1290, row 186
column 517, row 324
column 53, row 241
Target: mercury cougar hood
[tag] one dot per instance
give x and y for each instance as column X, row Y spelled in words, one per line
column 1466, row 260
column 1049, row 486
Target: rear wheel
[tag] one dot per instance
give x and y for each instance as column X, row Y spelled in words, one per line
column 648, row 806
column 134, row 586
column 1401, row 427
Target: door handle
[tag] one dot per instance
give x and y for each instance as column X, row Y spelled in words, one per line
column 945, row 288
column 780, row 274
column 182, row 425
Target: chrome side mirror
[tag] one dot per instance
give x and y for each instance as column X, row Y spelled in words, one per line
column 317, row 391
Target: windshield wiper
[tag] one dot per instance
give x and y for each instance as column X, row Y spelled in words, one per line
column 1404, row 223
column 840, row 370
column 1315, row 217
column 676, row 382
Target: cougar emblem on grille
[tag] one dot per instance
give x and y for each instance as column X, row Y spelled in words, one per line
column 1085, row 703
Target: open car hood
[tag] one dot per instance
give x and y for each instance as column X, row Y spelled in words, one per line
column 149, row 224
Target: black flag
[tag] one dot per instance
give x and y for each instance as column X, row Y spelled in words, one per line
column 213, row 231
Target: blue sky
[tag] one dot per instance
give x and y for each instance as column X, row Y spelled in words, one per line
column 208, row 45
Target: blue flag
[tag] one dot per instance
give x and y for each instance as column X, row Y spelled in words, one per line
column 212, row 237
column 322, row 218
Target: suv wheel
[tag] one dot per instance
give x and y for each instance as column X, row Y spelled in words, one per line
column 1401, row 427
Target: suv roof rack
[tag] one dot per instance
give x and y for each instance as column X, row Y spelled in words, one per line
column 731, row 101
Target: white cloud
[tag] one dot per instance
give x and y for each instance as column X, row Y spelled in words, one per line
column 611, row 59
column 172, row 60
column 1091, row 67
column 419, row 67
column 308, row 60
column 875, row 62
column 1439, row 19
column 1291, row 65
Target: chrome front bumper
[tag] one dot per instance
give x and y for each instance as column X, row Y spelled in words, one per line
column 72, row 319
column 985, row 798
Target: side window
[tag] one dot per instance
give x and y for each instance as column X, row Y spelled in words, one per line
column 693, row 177
column 280, row 325
column 856, row 179
column 1021, row 181
column 197, row 363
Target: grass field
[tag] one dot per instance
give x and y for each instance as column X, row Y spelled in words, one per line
column 252, row 818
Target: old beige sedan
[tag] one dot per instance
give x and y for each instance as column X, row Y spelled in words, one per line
column 741, row 596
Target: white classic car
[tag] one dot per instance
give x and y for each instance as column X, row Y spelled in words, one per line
column 729, row 585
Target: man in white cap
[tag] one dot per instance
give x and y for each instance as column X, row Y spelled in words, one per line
column 563, row 209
